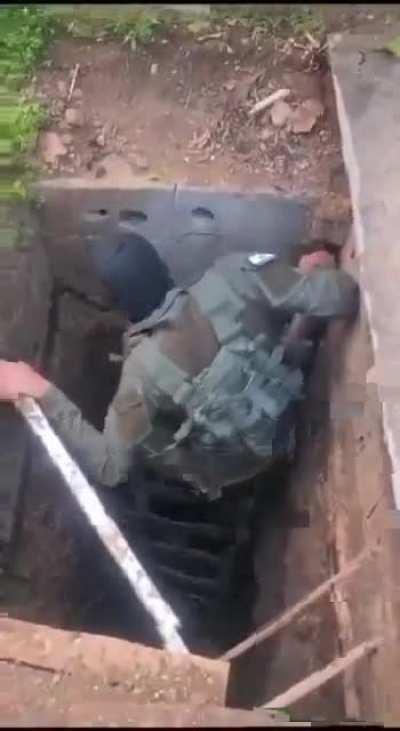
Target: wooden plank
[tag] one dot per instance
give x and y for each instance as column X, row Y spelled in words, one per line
column 321, row 677
column 290, row 614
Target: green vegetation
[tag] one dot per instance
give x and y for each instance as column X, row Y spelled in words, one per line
column 24, row 36
column 128, row 23
column 277, row 20
column 141, row 29
column 393, row 47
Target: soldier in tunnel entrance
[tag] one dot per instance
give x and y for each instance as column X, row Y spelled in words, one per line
column 211, row 374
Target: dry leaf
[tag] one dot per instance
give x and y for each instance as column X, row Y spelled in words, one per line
column 304, row 118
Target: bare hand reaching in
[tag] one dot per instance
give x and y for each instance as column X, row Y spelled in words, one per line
column 20, row 379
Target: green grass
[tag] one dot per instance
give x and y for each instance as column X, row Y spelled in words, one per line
column 25, row 33
column 142, row 29
column 101, row 22
column 280, row 21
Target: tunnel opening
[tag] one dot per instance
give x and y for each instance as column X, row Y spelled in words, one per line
column 226, row 566
column 200, row 554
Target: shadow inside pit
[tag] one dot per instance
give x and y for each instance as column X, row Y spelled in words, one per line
column 200, row 554
column 270, row 520
column 197, row 552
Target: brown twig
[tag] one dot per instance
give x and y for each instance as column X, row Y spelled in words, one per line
column 268, row 101
column 73, row 81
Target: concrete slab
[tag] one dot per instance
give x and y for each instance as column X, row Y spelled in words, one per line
column 366, row 83
column 189, row 226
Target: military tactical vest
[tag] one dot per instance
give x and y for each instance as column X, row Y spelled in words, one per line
column 235, row 417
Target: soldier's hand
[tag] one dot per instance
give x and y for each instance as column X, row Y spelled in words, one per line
column 317, row 259
column 19, row 379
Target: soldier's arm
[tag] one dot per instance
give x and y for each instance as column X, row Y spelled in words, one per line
column 323, row 292
column 106, row 456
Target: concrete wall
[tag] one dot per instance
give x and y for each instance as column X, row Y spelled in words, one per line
column 367, row 506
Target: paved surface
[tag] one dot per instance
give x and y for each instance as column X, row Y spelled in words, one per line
column 367, row 82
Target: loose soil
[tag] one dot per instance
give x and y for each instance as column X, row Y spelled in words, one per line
column 179, row 110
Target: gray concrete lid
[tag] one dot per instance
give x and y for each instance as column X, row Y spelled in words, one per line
column 367, row 83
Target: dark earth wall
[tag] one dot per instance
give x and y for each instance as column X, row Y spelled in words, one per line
column 25, row 285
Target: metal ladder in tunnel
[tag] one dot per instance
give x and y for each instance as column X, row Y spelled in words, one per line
column 192, row 547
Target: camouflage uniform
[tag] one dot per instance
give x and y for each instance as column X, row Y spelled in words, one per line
column 180, row 405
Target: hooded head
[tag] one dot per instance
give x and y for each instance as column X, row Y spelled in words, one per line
column 134, row 273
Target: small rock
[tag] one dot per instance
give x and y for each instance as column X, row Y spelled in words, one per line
column 280, row 113
column 51, row 147
column 229, row 85
column 74, row 117
column 77, row 94
column 266, row 134
column 154, row 69
column 303, row 165
column 57, row 108
column 198, row 26
column 100, row 172
column 100, row 140
column 280, row 165
column 62, row 88
column 115, row 166
column 244, row 146
column 139, row 161
column 67, row 138
column 304, row 118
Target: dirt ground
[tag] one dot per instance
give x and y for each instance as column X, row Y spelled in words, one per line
column 179, row 109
